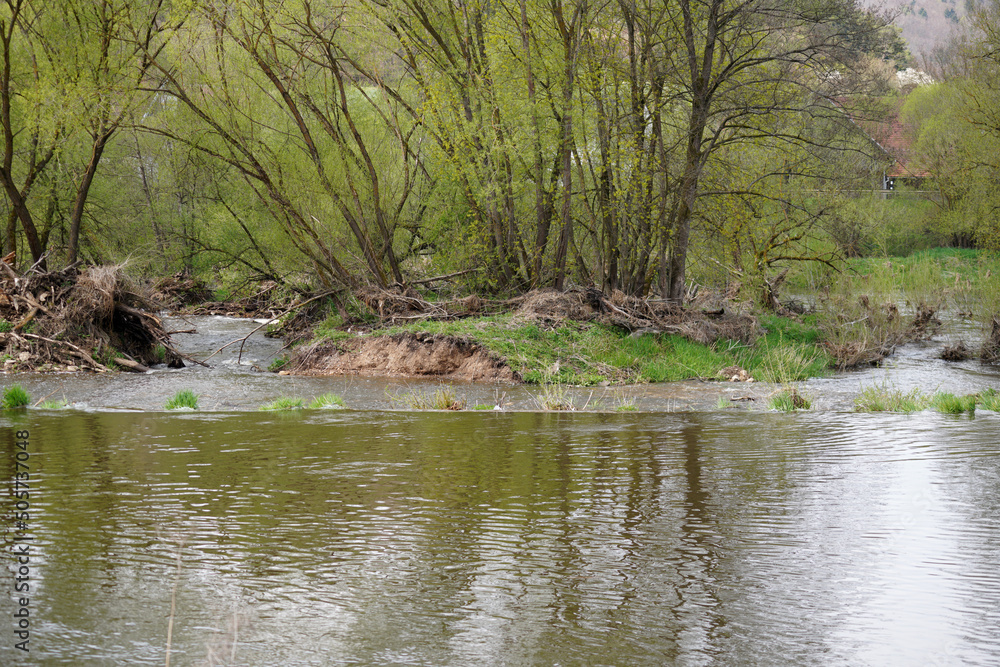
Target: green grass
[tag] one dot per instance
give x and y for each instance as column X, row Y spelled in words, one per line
column 160, row 353
column 185, row 399
column 576, row 353
column 442, row 398
column 789, row 400
column 54, row 405
column 285, row 403
column 554, row 397
column 884, row 398
column 6, row 327
column 327, row 401
column 278, row 364
column 989, row 399
column 954, row 405
column 15, row 397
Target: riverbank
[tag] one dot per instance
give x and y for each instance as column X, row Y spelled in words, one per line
column 851, row 319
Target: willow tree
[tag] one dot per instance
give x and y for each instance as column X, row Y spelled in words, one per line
column 273, row 93
column 753, row 72
column 70, row 80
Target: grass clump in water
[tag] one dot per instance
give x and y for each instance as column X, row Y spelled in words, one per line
column 883, row 398
column 285, row 403
column 554, row 397
column 989, row 399
column 327, row 401
column 15, row 397
column 185, row 399
column 789, row 400
column 54, row 405
column 954, row 405
column 442, row 398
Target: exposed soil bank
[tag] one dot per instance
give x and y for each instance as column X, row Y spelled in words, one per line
column 415, row 355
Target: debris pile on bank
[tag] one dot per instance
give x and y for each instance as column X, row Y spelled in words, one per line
column 66, row 320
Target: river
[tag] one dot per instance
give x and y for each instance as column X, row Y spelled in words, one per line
column 677, row 534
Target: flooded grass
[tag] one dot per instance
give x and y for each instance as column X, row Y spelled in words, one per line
column 885, row 398
column 327, row 402
column 954, row 405
column 789, row 400
column 442, row 398
column 989, row 399
column 285, row 403
column 15, row 397
column 184, row 399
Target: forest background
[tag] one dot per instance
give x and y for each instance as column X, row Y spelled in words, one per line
column 644, row 146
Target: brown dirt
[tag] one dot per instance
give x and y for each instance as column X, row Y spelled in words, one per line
column 415, row 355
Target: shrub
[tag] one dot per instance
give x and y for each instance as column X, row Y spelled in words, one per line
column 185, row 399
column 15, row 397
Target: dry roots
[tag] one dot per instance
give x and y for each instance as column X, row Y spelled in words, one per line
column 90, row 319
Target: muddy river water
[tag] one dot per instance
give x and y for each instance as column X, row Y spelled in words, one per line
column 676, row 534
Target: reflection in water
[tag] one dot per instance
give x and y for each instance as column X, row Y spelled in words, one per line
column 514, row 539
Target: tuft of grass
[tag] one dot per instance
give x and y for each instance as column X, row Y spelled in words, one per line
column 15, row 397
column 285, row 403
column 442, row 398
column 554, row 397
column 482, row 406
column 789, row 400
column 278, row 364
column 160, row 353
column 53, row 405
column 185, row 399
column 883, row 398
column 6, row 327
column 989, row 399
column 327, row 401
column 954, row 405
column 724, row 403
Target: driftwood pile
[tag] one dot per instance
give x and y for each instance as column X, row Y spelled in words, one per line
column 67, row 320
column 549, row 307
